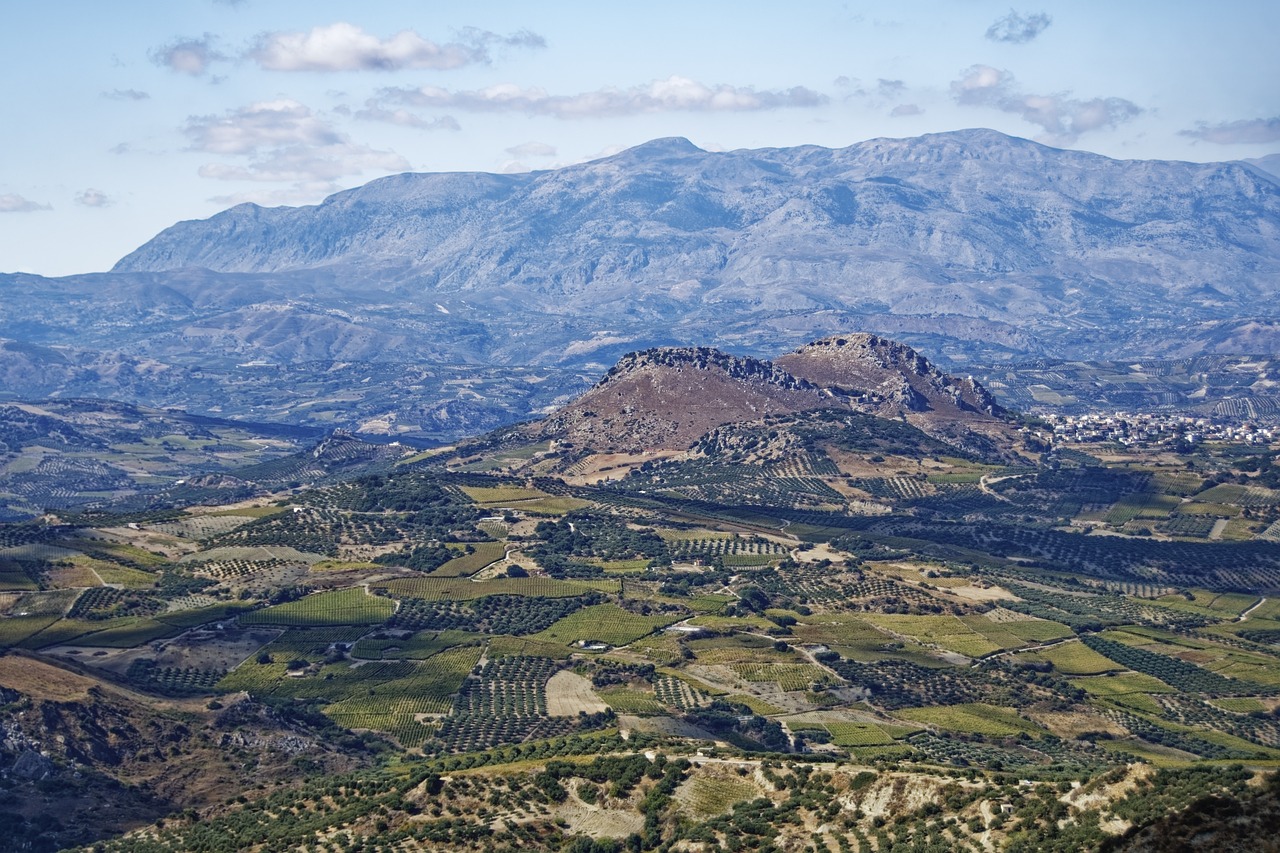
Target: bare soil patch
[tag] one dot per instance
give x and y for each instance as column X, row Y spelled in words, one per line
column 569, row 693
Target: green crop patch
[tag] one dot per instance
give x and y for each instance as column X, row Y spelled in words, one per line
column 14, row 630
column 858, row 734
column 419, row 646
column 351, row 606
column 625, row 700
column 483, row 554
column 126, row 633
column 1117, row 685
column 460, row 589
column 705, row 796
column 604, row 623
column 972, row 719
column 788, row 676
column 1075, row 658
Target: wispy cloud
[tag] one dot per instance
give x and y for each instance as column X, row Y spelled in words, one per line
column 347, row 47
column 1062, row 117
column 126, row 95
column 902, row 110
column 185, row 55
column 1244, row 131
column 94, row 198
column 283, row 140
column 1014, row 28
column 11, row 203
column 532, row 149
column 405, row 118
column 300, row 164
column 264, row 124
column 674, row 94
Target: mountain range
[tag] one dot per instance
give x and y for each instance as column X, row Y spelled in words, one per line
column 976, row 246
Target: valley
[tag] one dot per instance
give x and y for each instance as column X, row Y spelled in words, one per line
column 710, row 604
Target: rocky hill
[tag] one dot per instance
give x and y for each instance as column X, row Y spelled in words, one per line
column 890, row 376
column 665, row 399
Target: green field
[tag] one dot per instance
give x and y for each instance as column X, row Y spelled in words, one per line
column 468, row 564
column 351, row 606
column 972, row 719
column 707, row 797
column 420, row 646
column 460, row 589
column 857, row 734
column 1125, row 682
column 603, row 623
column 1075, row 658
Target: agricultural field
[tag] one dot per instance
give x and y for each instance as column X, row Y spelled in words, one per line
column 973, row 719
column 464, row 622
column 604, row 623
column 352, row 606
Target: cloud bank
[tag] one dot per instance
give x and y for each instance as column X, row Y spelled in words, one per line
column 670, row 95
column 11, row 203
column 347, row 47
column 1258, row 130
column 1062, row 117
column 283, row 140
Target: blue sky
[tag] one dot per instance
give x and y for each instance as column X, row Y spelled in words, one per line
column 123, row 118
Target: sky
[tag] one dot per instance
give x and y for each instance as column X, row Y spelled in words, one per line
column 122, row 118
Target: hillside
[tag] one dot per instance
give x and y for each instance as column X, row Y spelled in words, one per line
column 665, row 399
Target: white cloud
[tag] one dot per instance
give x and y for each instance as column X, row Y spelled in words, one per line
column 191, row 56
column 303, row 194
column 94, row 198
column 532, row 149
column 264, row 124
column 1014, row 28
column 1244, row 131
column 405, row 118
column 11, row 203
column 905, row 110
column 347, row 47
column 301, row 165
column 126, row 95
column 669, row 95
column 283, row 140
column 1063, row 118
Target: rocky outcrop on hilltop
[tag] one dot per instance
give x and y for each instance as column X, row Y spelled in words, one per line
column 889, row 375
column 667, row 398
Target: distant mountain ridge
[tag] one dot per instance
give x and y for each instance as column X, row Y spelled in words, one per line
column 974, row 246
column 989, row 240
